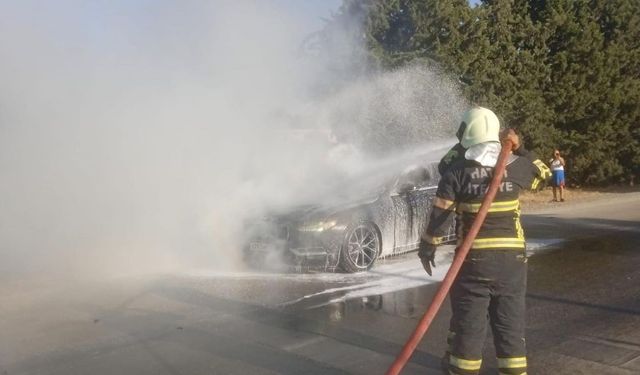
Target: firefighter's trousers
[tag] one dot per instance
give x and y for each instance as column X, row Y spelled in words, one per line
column 490, row 288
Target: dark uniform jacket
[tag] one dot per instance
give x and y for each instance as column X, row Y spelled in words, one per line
column 462, row 189
column 455, row 154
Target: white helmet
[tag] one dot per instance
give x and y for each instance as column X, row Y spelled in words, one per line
column 479, row 125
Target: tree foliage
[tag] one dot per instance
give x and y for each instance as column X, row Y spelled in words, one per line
column 566, row 73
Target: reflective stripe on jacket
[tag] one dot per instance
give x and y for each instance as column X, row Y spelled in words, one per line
column 462, row 189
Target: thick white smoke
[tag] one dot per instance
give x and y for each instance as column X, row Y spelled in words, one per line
column 137, row 136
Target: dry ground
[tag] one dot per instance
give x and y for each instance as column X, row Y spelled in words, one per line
column 543, row 199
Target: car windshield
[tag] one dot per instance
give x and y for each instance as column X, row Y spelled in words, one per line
column 376, row 180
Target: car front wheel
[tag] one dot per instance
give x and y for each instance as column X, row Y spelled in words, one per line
column 361, row 247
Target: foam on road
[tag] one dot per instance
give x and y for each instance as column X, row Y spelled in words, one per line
column 389, row 275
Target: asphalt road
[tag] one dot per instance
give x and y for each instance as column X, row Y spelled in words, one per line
column 583, row 312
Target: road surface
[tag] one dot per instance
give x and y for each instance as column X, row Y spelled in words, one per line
column 583, row 312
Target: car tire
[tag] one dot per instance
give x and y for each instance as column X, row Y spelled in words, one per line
column 360, row 248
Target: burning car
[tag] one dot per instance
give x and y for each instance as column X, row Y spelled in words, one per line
column 349, row 232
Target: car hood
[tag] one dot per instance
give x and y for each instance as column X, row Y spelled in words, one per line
column 322, row 211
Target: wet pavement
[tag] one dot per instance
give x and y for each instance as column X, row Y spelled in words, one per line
column 583, row 313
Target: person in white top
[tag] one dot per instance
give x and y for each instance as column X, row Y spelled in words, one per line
column 557, row 180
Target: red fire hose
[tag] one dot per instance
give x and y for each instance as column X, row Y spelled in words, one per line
column 458, row 259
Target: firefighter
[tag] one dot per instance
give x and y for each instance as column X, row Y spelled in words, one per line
column 491, row 285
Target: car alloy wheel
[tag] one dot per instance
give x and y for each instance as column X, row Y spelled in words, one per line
column 361, row 248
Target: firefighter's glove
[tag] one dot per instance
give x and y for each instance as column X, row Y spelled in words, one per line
column 427, row 254
column 509, row 135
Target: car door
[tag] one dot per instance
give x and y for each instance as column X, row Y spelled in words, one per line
column 412, row 199
column 403, row 217
column 421, row 200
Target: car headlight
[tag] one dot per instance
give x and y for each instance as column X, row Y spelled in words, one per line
column 317, row 227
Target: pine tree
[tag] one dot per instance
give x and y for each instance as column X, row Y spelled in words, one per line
column 592, row 88
column 564, row 72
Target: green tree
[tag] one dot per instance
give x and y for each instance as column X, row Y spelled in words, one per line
column 565, row 72
column 593, row 86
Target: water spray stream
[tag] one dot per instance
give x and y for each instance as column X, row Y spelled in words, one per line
column 143, row 145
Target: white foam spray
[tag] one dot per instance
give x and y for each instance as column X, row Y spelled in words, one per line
column 138, row 136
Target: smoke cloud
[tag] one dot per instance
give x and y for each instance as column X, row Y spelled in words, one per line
column 137, row 136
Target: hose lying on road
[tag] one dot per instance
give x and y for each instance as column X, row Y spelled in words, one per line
column 461, row 253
